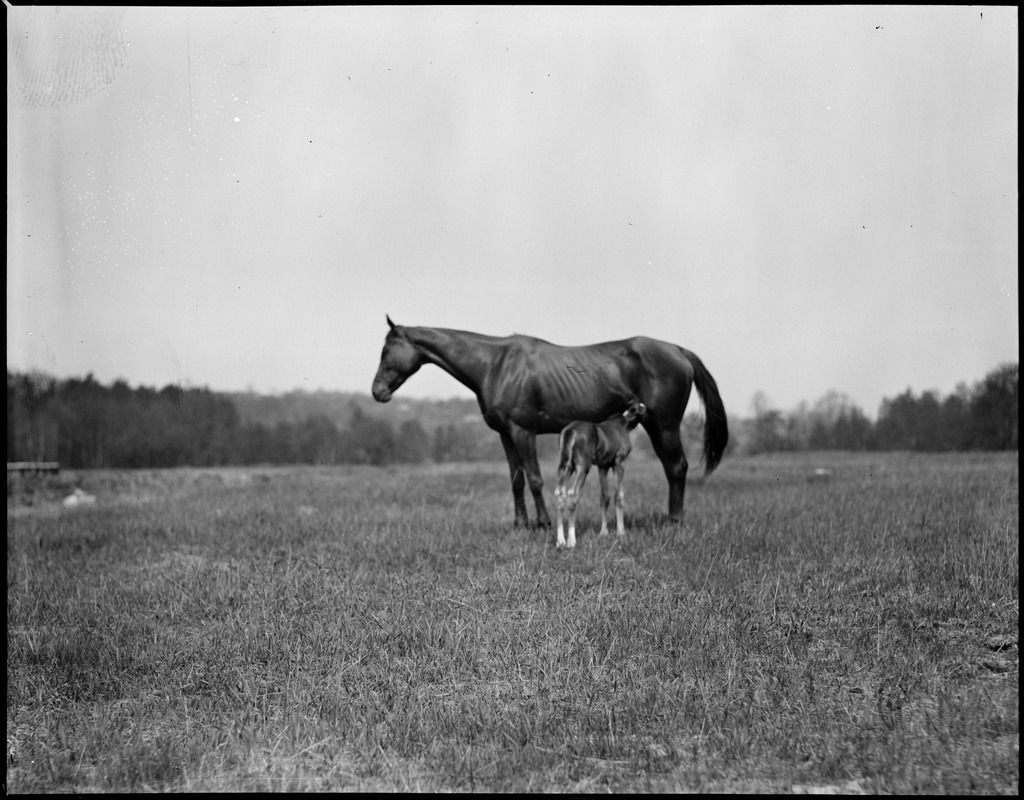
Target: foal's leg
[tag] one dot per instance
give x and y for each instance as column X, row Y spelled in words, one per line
column 561, row 501
column 573, row 499
column 603, row 475
column 619, row 498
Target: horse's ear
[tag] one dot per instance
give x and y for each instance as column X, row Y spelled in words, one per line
column 390, row 323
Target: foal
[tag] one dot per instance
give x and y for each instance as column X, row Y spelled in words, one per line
column 605, row 444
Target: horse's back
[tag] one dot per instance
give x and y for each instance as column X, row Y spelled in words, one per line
column 636, row 357
column 543, row 386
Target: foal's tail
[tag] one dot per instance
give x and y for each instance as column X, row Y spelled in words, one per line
column 716, row 426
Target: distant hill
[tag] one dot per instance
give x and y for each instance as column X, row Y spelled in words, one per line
column 338, row 407
column 85, row 424
column 298, row 406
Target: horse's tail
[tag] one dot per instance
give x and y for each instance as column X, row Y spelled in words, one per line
column 716, row 426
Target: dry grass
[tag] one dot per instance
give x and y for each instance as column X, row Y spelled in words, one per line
column 386, row 629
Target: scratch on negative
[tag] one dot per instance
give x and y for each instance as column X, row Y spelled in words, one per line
column 188, row 52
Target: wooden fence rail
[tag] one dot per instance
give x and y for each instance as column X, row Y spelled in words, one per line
column 33, row 467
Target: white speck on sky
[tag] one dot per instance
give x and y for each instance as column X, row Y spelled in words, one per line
column 810, row 198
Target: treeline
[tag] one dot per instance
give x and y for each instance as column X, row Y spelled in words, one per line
column 983, row 417
column 84, row 424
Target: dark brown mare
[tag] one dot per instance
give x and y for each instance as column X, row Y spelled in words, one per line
column 527, row 386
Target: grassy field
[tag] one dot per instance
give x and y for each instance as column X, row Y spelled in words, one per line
column 386, row 629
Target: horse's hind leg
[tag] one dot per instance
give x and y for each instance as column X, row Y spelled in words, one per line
column 669, row 449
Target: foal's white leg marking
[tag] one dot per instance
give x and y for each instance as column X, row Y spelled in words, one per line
column 559, row 508
column 619, row 497
column 603, row 474
column 574, row 498
column 566, row 496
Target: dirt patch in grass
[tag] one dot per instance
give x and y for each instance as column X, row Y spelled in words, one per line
column 49, row 492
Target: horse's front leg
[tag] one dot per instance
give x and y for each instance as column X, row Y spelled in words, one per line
column 518, row 476
column 526, row 446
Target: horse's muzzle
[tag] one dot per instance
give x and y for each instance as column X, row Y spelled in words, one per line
column 381, row 394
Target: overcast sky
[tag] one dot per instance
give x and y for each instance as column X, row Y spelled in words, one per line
column 810, row 199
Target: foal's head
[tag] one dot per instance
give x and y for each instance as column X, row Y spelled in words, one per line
column 634, row 414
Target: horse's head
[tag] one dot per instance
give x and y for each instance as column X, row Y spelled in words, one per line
column 398, row 360
column 634, row 414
